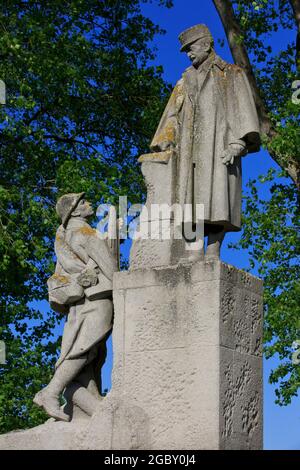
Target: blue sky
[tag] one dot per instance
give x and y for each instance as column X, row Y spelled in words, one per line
column 281, row 424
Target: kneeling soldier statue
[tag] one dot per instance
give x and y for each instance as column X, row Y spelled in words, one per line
column 81, row 287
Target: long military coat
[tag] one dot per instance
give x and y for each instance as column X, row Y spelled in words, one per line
column 210, row 107
column 88, row 321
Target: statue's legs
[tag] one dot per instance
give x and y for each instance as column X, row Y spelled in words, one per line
column 194, row 251
column 84, row 392
column 193, row 243
column 78, row 396
column 48, row 398
column 214, row 243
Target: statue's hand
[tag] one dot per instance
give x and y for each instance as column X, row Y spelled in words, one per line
column 87, row 278
column 234, row 150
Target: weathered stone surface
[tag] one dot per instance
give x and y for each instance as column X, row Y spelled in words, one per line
column 51, row 435
column 187, row 345
column 116, row 424
column 81, row 287
column 157, row 244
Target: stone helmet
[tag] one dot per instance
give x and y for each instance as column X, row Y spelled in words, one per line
column 194, row 33
column 66, row 204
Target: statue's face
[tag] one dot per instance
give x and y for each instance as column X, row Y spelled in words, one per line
column 83, row 209
column 199, row 51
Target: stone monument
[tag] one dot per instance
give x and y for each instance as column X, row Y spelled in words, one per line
column 209, row 124
column 187, row 330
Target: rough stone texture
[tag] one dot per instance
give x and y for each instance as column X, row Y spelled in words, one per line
column 115, row 425
column 187, row 347
column 187, row 366
column 81, row 288
column 211, row 122
column 157, row 244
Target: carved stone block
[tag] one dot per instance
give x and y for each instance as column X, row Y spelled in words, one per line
column 188, row 342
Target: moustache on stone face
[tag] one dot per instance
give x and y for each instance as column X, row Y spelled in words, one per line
column 197, row 56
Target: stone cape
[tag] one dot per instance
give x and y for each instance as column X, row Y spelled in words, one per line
column 209, row 109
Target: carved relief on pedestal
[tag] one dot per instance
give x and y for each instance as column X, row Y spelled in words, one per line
column 234, row 389
column 255, row 314
column 242, row 337
column 228, row 302
column 251, row 414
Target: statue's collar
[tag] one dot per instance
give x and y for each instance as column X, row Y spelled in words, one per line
column 213, row 59
column 76, row 221
column 219, row 62
column 207, row 64
column 194, row 78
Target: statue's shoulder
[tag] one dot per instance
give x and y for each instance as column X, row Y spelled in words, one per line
column 60, row 235
column 227, row 73
column 232, row 68
column 187, row 72
column 60, row 231
column 80, row 227
column 187, row 76
column 220, row 63
column 178, row 89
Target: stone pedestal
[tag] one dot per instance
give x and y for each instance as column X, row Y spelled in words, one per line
column 187, row 366
column 187, row 351
column 158, row 240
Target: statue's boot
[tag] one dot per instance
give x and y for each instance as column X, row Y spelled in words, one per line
column 48, row 398
column 50, row 404
column 214, row 243
column 76, row 394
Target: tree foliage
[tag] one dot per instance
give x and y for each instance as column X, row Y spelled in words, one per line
column 271, row 237
column 82, row 103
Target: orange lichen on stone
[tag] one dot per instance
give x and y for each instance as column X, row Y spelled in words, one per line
column 166, row 135
column 178, row 96
column 63, row 279
column 163, row 157
column 178, row 91
column 87, row 230
column 58, row 239
column 235, row 67
column 221, row 72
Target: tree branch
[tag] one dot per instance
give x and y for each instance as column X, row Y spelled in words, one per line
column 240, row 55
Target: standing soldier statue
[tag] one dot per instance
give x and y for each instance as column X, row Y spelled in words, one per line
column 210, row 122
column 81, row 288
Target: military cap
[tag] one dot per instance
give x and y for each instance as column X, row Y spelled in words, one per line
column 191, row 35
column 66, row 204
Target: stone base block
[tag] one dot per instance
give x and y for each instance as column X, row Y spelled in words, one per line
column 115, row 425
column 187, row 350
